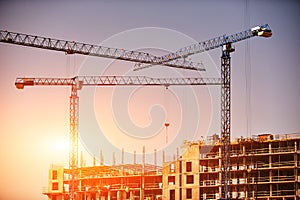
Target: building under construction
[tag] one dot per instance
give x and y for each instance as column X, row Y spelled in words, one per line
column 129, row 181
column 263, row 167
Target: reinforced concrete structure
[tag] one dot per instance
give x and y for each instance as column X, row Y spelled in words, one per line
column 265, row 167
column 128, row 181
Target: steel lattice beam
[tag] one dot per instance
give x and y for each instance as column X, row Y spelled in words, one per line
column 72, row 47
column 262, row 30
column 225, row 121
column 80, row 81
column 73, row 157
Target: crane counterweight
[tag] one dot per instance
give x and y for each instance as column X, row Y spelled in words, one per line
column 21, row 82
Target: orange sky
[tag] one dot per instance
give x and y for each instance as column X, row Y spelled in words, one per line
column 34, row 122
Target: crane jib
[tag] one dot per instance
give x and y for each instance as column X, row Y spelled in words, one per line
column 262, row 31
column 72, row 47
column 80, row 81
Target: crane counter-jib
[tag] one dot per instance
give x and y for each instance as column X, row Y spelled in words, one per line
column 22, row 82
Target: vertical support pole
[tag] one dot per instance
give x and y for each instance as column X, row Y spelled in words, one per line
column 134, row 157
column 123, row 156
column 94, row 161
column 114, row 159
column 143, row 160
column 167, row 125
column 108, row 195
column 80, row 183
column 73, row 156
column 296, row 167
column 101, row 158
column 225, row 119
column 131, row 195
column 122, row 168
column 143, row 176
column 81, row 159
column 155, row 160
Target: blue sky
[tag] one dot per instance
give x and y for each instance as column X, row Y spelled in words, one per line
column 33, row 120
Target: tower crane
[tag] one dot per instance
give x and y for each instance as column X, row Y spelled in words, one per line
column 176, row 59
column 72, row 47
column 76, row 84
column 226, row 43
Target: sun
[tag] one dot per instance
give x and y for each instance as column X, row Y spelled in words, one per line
column 61, row 145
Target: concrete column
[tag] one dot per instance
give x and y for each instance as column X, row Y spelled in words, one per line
column 131, row 195
column 88, row 196
column 108, row 195
column 142, row 194
column 121, row 195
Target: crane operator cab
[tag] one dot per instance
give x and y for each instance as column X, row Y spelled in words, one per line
column 262, row 31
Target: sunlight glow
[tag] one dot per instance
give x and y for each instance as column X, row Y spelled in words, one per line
column 61, row 146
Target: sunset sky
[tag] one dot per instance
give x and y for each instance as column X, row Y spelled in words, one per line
column 34, row 129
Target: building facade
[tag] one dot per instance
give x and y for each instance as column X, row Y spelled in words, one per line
column 264, row 168
column 261, row 168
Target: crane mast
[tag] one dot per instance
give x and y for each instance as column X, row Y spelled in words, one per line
column 226, row 43
column 225, row 119
column 76, row 83
column 74, row 118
